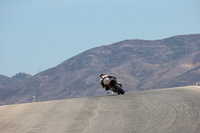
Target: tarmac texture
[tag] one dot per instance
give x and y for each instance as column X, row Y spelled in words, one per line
column 172, row 110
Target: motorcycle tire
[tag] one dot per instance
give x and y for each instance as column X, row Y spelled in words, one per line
column 119, row 89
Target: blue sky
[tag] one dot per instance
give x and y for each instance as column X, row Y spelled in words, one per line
column 36, row 35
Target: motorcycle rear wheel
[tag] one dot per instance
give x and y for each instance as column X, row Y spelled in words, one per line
column 119, row 89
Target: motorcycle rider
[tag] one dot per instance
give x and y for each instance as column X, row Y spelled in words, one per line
column 102, row 77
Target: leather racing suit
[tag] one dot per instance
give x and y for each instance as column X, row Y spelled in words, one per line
column 102, row 80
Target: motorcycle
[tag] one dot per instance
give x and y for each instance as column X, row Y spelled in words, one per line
column 114, row 86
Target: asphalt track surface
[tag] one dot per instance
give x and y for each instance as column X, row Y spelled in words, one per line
column 172, row 110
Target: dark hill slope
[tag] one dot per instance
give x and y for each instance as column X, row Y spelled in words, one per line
column 138, row 65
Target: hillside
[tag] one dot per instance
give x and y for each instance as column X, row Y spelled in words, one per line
column 137, row 64
column 170, row 110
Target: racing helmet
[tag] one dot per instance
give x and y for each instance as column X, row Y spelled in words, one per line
column 102, row 74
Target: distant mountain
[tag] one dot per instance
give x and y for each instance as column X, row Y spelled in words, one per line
column 6, row 84
column 21, row 76
column 137, row 64
column 6, row 81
